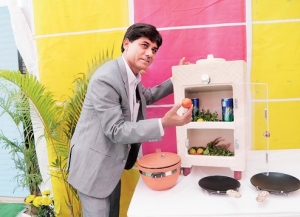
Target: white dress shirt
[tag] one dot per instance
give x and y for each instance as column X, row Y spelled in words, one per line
column 134, row 105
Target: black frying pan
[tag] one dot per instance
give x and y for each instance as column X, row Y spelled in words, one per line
column 219, row 184
column 276, row 183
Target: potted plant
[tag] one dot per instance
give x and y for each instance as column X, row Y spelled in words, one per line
column 15, row 104
column 59, row 119
column 41, row 206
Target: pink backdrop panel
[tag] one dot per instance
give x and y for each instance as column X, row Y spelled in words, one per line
column 168, row 142
column 169, row 13
column 193, row 44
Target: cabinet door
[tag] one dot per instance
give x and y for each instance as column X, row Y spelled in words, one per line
column 259, row 122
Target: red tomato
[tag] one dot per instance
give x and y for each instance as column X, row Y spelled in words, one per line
column 186, row 103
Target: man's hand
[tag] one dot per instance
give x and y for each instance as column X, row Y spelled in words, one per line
column 181, row 61
column 171, row 118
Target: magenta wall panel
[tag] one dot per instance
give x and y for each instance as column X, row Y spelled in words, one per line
column 170, row 13
column 223, row 42
column 189, row 29
column 168, row 142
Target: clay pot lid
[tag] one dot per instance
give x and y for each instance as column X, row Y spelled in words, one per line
column 159, row 160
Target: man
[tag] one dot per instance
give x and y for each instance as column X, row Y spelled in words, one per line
column 111, row 127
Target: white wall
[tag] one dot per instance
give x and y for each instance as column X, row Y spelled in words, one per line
column 8, row 60
column 2, row 3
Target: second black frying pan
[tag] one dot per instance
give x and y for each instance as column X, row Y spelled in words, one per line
column 219, row 184
column 277, row 183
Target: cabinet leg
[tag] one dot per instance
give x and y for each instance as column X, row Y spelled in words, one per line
column 237, row 175
column 186, row 171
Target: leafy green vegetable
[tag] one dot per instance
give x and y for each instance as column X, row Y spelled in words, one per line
column 213, row 149
column 206, row 115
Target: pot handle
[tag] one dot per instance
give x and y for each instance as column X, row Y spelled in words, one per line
column 158, row 150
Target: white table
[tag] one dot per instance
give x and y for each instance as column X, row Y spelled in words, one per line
column 186, row 198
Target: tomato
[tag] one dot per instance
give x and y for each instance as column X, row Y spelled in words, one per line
column 186, row 103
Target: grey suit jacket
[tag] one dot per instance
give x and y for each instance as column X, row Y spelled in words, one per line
column 104, row 133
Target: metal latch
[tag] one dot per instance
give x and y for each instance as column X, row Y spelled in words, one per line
column 158, row 175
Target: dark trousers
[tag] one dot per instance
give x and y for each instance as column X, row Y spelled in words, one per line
column 115, row 201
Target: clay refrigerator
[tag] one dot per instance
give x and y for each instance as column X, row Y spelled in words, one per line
column 210, row 80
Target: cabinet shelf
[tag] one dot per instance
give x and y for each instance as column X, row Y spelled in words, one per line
column 210, row 125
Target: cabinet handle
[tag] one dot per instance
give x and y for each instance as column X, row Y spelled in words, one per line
column 235, row 103
column 266, row 114
column 187, row 143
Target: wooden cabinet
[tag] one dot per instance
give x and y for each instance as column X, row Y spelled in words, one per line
column 226, row 80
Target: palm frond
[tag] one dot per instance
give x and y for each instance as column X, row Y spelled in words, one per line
column 9, row 100
column 43, row 103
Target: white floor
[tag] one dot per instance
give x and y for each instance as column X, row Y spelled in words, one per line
column 23, row 215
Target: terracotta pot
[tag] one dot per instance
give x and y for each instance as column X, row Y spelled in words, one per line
column 160, row 170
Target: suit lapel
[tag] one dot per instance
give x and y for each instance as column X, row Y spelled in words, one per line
column 126, row 86
column 123, row 74
column 142, row 102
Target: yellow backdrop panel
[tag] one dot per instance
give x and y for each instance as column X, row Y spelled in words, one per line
column 275, row 61
column 52, row 17
column 275, row 9
column 60, row 58
column 284, row 125
column 276, row 53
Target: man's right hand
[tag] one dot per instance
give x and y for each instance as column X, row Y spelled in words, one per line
column 171, row 118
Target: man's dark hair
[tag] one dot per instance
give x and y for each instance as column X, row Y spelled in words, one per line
column 138, row 30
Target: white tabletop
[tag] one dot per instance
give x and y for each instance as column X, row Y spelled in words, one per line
column 186, row 198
